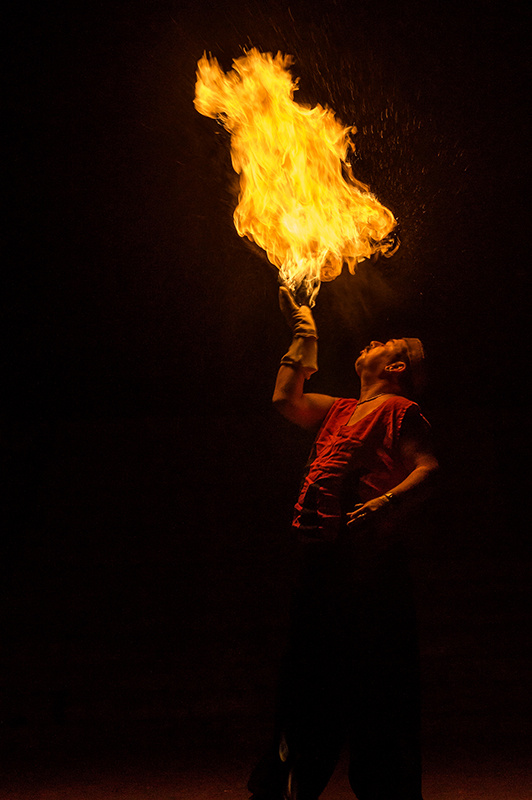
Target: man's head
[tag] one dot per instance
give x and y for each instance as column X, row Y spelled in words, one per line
column 399, row 361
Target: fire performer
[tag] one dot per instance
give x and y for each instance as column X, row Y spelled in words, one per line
column 350, row 672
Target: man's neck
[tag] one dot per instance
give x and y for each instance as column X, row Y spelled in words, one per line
column 376, row 388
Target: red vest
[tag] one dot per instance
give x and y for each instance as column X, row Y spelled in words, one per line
column 363, row 457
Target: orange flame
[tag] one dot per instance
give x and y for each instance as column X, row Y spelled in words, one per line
column 298, row 199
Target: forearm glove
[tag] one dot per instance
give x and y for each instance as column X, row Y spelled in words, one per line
column 303, row 351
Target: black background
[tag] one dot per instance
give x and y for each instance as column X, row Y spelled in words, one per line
column 146, row 557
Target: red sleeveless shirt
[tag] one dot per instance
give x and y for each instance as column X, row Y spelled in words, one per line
column 351, row 463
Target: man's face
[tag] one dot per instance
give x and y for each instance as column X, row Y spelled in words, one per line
column 377, row 355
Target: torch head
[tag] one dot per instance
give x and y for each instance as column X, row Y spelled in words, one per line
column 303, row 293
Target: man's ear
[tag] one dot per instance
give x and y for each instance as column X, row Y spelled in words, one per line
column 396, row 366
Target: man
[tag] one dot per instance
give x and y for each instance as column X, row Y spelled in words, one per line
column 350, row 670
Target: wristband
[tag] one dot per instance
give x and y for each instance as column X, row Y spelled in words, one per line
column 303, row 353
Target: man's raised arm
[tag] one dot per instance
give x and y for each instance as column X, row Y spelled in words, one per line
column 298, row 364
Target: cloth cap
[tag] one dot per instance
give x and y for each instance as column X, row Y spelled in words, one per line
column 416, row 358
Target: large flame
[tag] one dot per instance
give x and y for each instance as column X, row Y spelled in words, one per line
column 298, row 199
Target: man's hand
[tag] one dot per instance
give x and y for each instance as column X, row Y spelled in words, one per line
column 303, row 352
column 373, row 512
column 298, row 317
column 299, row 363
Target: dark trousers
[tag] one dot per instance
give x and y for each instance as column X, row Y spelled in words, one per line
column 350, row 674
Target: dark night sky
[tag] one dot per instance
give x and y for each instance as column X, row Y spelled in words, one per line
column 149, row 482
column 126, row 277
